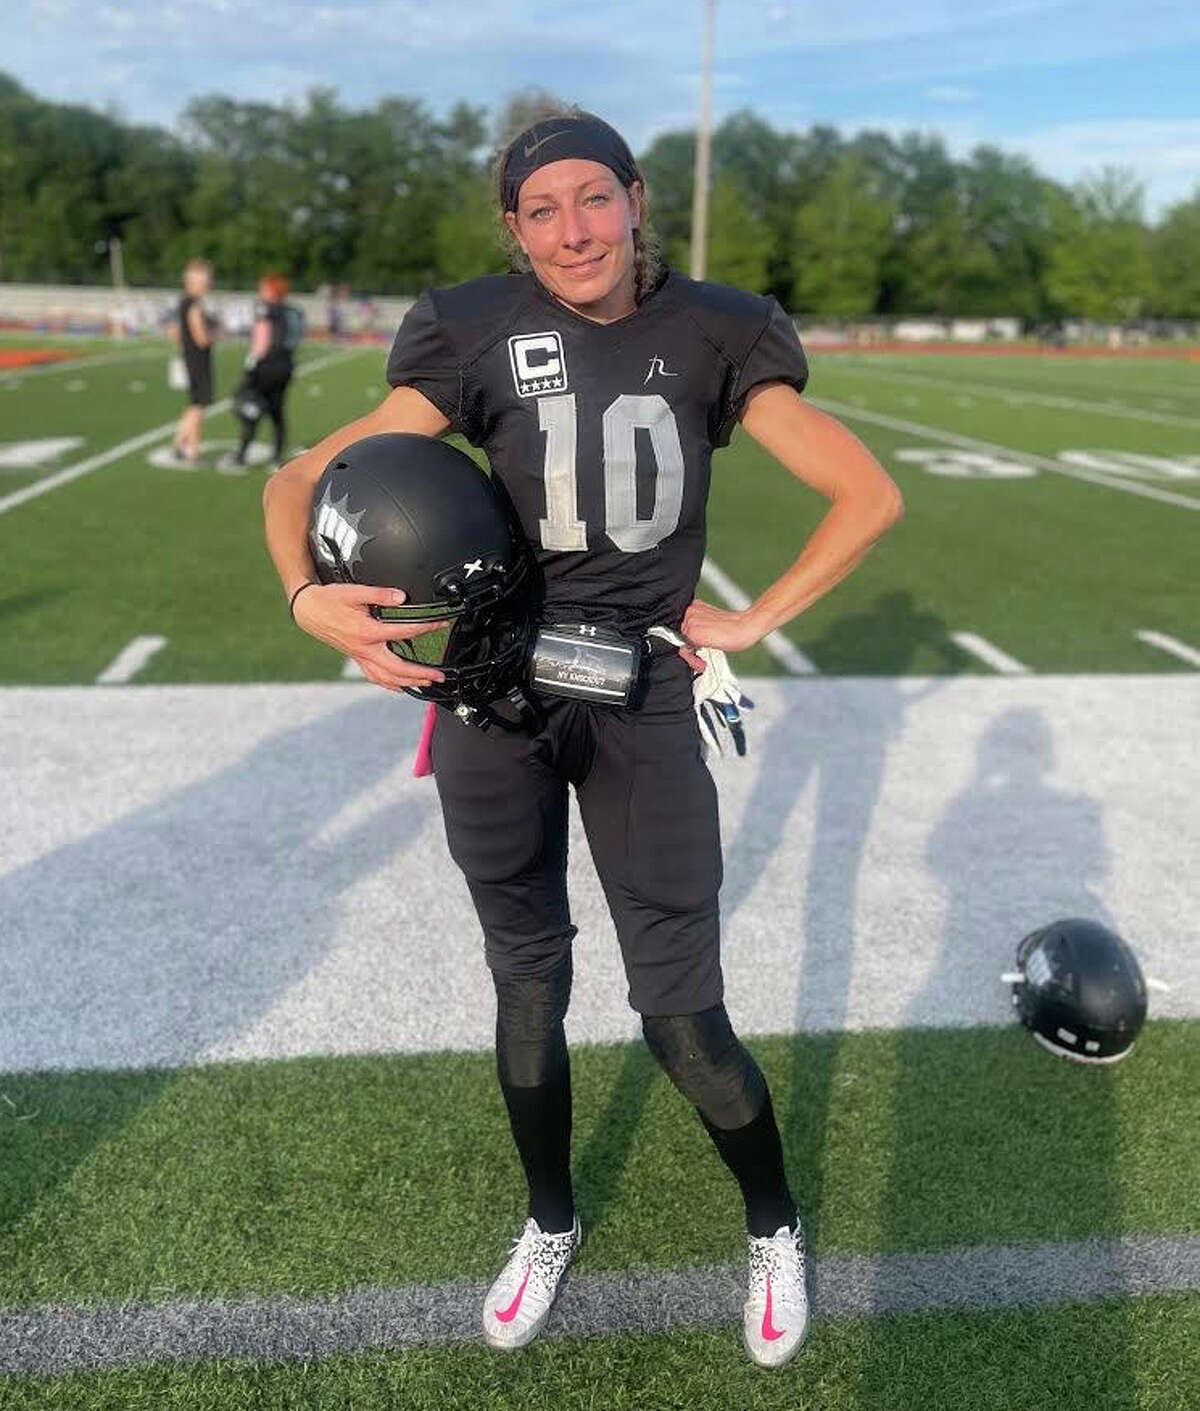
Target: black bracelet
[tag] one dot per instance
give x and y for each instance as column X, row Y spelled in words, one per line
column 308, row 583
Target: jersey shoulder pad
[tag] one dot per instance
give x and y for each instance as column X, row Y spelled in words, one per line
column 474, row 314
column 731, row 318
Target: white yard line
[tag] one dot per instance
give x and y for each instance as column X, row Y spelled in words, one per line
column 786, row 653
column 971, row 443
column 130, row 660
column 55, row 1339
column 147, row 438
column 1043, row 399
column 1170, row 644
column 984, row 651
column 351, row 671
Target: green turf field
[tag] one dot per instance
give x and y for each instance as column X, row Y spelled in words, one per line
column 1051, row 514
column 1122, row 1357
column 1060, row 573
column 257, row 1178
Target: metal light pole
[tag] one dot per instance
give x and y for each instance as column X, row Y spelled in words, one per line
column 116, row 262
column 703, row 150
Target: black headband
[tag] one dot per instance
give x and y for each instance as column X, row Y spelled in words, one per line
column 556, row 140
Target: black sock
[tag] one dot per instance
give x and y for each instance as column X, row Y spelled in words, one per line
column 754, row 1153
column 540, row 1118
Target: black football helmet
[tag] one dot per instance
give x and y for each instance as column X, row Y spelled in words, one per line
column 249, row 404
column 1080, row 989
column 410, row 512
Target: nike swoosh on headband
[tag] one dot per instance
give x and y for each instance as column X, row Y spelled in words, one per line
column 541, row 142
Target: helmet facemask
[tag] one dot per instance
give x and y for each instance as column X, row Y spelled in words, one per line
column 483, row 649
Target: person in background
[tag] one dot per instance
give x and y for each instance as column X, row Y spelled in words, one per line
column 337, row 314
column 194, row 331
column 274, row 337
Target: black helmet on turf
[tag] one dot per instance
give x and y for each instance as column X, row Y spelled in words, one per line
column 410, row 512
column 1080, row 989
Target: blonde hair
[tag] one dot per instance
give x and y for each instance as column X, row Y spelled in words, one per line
column 648, row 262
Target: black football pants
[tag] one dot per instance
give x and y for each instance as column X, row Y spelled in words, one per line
column 649, row 810
column 271, row 383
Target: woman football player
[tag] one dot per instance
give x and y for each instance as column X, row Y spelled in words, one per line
column 554, row 371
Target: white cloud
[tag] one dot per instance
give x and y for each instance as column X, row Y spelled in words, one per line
column 1164, row 154
column 950, row 93
column 796, row 62
column 815, row 23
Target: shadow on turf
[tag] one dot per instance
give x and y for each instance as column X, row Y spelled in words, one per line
column 1013, row 852
column 19, row 603
column 176, row 928
column 885, row 640
column 889, row 636
column 1010, row 834
column 847, row 785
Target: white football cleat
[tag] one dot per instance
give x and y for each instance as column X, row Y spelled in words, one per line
column 775, row 1318
column 518, row 1303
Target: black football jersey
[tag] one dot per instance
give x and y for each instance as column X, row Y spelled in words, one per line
column 602, row 434
column 287, row 326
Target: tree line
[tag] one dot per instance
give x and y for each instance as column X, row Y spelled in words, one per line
column 392, row 199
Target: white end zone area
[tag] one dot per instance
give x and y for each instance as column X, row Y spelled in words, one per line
column 195, row 873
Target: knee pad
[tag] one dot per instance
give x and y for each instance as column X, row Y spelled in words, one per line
column 703, row 1057
column 531, row 1044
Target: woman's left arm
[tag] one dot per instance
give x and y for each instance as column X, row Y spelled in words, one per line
column 260, row 340
column 864, row 502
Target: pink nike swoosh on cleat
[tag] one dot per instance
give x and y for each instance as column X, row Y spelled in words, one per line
column 506, row 1315
column 769, row 1331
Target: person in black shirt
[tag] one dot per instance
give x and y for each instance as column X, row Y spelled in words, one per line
column 599, row 384
column 274, row 337
column 194, row 331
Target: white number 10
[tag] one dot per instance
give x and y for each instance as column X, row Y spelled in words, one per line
column 562, row 529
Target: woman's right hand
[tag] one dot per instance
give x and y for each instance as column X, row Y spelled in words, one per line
column 339, row 615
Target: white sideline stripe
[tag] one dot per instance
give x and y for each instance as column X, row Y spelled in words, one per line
column 789, row 656
column 351, row 671
column 983, row 649
column 1170, row 644
column 1044, row 399
column 906, row 362
column 970, row 443
column 147, row 438
column 50, row 1339
column 19, row 374
column 130, row 660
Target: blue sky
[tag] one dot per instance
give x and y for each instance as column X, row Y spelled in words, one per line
column 1075, row 84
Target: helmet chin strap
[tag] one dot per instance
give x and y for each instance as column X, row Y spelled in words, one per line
column 529, row 716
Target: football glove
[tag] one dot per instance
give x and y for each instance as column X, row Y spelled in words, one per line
column 716, row 694
column 719, row 702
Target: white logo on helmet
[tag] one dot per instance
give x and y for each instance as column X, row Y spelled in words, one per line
column 475, row 566
column 337, row 529
column 1037, row 969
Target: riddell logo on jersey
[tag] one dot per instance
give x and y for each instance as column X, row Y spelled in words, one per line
column 538, row 363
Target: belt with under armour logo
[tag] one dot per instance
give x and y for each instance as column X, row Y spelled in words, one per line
column 586, row 661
